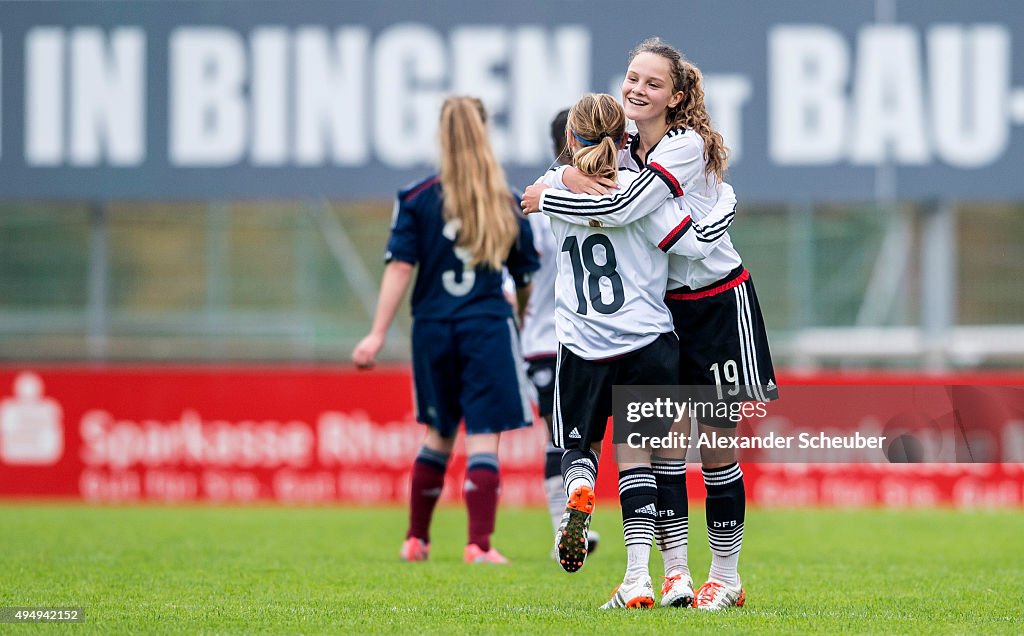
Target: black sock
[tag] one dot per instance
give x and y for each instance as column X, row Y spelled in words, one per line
column 726, row 505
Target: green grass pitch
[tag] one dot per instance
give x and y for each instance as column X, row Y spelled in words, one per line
column 336, row 570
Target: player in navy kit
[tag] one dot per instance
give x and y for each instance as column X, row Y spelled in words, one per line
column 713, row 303
column 460, row 227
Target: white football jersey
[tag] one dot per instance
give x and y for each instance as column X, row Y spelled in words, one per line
column 674, row 169
column 611, row 282
column 538, row 332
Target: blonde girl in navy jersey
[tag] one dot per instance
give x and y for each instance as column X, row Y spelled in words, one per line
column 460, row 228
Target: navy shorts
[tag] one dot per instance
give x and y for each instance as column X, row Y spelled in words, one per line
column 469, row 368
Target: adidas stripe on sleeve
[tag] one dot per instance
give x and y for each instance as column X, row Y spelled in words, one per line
column 712, row 207
column 618, row 209
column 674, row 230
column 677, row 160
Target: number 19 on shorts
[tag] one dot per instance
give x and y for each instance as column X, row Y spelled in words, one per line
column 729, row 371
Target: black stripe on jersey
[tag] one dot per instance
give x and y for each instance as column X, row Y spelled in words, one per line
column 726, row 220
column 715, row 231
column 673, row 237
column 554, row 202
column 668, row 178
column 634, row 145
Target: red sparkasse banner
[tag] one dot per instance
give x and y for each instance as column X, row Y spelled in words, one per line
column 332, row 434
column 240, row 434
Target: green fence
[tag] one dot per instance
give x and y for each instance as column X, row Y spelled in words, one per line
column 296, row 281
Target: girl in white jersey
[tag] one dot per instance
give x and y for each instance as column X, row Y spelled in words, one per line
column 540, row 343
column 613, row 328
column 712, row 299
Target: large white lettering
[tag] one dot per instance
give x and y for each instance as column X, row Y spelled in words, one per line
column 270, row 56
column 808, row 66
column 409, row 68
column 331, row 96
column 477, row 52
column 892, row 105
column 549, row 73
column 93, row 112
column 726, row 95
column 351, row 96
column 969, row 74
column 208, row 115
column 44, row 96
column 192, row 441
column 108, row 96
column 302, row 97
column 888, row 114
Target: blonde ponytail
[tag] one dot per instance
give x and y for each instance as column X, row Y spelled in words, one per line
column 599, row 126
column 475, row 191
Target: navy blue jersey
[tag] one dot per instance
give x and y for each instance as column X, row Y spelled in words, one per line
column 446, row 286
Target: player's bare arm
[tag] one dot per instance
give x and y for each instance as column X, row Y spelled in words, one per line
column 575, row 181
column 397, row 275
column 581, row 183
column 531, row 197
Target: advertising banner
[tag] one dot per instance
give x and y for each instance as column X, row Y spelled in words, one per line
column 334, row 435
column 220, row 99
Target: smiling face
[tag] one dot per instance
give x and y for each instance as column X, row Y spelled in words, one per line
column 647, row 91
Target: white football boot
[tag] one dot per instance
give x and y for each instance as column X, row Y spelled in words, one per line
column 716, row 596
column 677, row 591
column 632, row 594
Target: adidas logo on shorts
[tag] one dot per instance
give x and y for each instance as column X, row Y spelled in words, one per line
column 574, row 433
column 771, row 385
column 649, row 509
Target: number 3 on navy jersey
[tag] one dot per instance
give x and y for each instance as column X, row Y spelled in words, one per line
column 597, row 272
column 467, row 279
